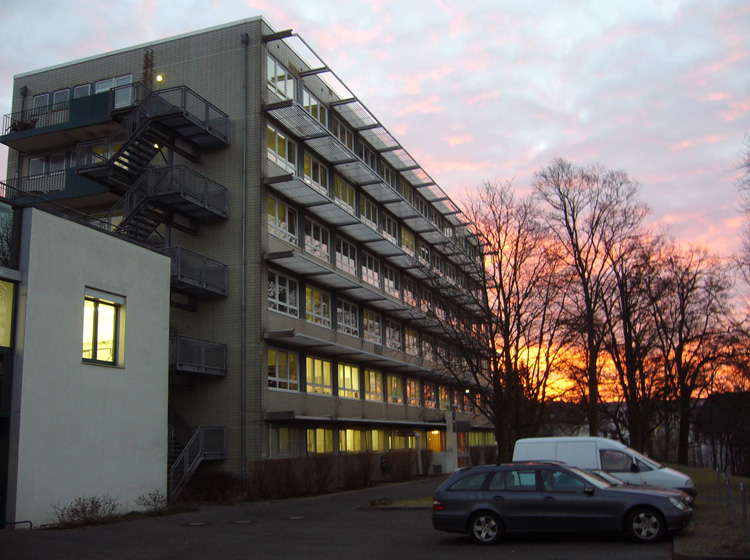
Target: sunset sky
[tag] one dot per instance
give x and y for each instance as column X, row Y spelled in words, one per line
column 481, row 90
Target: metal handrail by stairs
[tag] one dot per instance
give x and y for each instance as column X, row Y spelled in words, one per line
column 207, row 442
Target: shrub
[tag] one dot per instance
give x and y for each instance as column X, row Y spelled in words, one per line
column 401, row 464
column 215, row 486
column 153, row 502
column 86, row 511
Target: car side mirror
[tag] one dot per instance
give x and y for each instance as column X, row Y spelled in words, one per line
column 589, row 490
column 634, row 468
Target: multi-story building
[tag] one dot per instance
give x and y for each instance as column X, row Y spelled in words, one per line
column 301, row 235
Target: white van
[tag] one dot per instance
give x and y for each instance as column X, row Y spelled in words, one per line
column 601, row 453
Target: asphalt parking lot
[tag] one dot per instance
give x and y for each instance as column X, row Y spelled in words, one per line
column 331, row 527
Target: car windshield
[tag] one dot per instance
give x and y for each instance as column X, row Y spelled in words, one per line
column 591, row 478
column 613, row 480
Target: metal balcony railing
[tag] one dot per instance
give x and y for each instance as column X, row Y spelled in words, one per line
column 193, row 355
column 194, row 273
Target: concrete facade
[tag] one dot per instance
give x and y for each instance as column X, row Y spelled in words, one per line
column 80, row 429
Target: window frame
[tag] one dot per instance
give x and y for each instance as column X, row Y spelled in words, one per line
column 92, row 327
column 318, row 376
column 273, row 71
column 317, row 312
column 346, row 256
column 347, row 317
column 348, row 377
column 283, row 306
column 373, row 326
column 290, row 378
column 287, row 229
column 286, row 160
column 373, row 390
column 317, row 240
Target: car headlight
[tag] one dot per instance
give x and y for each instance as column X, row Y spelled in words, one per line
column 678, row 504
column 689, row 483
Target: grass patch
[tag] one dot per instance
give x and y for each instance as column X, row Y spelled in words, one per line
column 711, row 532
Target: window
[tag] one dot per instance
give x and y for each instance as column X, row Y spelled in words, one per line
column 368, row 212
column 282, row 294
column 81, row 91
column 348, row 381
column 413, row 394
column 282, row 220
column 282, row 370
column 316, row 174
column 37, row 167
column 281, row 150
column 104, row 85
column 392, row 282
column 351, row 441
column 615, row 461
column 346, row 257
column 390, row 228
column 373, row 327
column 320, row 440
column 56, row 164
column 123, row 95
column 392, row 335
column 423, row 252
column 423, row 207
column 406, row 191
column 428, row 349
column 514, row 481
column 373, row 385
column 319, row 376
column 41, row 104
column 311, row 104
column 395, row 389
column 317, row 307
column 280, row 81
column 317, row 241
column 436, row 441
column 410, row 292
column 343, row 134
column 347, row 318
column 390, row 177
column 558, row 481
column 343, row 194
column 102, row 327
column 368, row 156
column 371, row 270
column 429, row 395
column 59, row 98
column 407, row 240
column 472, row 483
column 444, row 398
column 377, row 440
column 286, row 442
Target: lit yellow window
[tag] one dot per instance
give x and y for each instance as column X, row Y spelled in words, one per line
column 101, row 329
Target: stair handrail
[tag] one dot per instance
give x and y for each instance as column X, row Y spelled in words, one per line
column 191, row 456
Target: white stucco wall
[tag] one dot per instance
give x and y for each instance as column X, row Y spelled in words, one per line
column 79, row 429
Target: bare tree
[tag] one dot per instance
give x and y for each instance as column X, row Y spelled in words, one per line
column 630, row 339
column 690, row 304
column 505, row 335
column 588, row 210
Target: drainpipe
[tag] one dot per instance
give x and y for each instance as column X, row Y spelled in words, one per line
column 243, row 404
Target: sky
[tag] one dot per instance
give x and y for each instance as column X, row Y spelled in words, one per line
column 485, row 90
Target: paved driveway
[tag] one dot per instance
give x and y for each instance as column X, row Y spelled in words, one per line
column 323, row 527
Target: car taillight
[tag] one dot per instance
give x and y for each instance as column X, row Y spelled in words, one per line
column 437, row 506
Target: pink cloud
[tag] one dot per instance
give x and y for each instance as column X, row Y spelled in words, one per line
column 414, row 81
column 458, row 140
column 424, row 106
column 483, row 97
column 736, row 110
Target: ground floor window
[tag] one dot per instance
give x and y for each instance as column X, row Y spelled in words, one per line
column 320, row 440
column 102, row 327
column 286, row 442
column 352, row 441
column 436, row 441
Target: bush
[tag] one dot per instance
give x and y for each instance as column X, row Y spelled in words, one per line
column 356, row 470
column 215, row 486
column 86, row 511
column 401, row 464
column 153, row 502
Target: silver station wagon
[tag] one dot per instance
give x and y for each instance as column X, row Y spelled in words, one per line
column 489, row 502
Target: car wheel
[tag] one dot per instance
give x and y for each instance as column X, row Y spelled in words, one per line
column 486, row 528
column 645, row 525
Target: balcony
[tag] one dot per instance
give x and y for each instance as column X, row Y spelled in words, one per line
column 196, row 275
column 193, row 356
column 54, row 186
column 69, row 122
